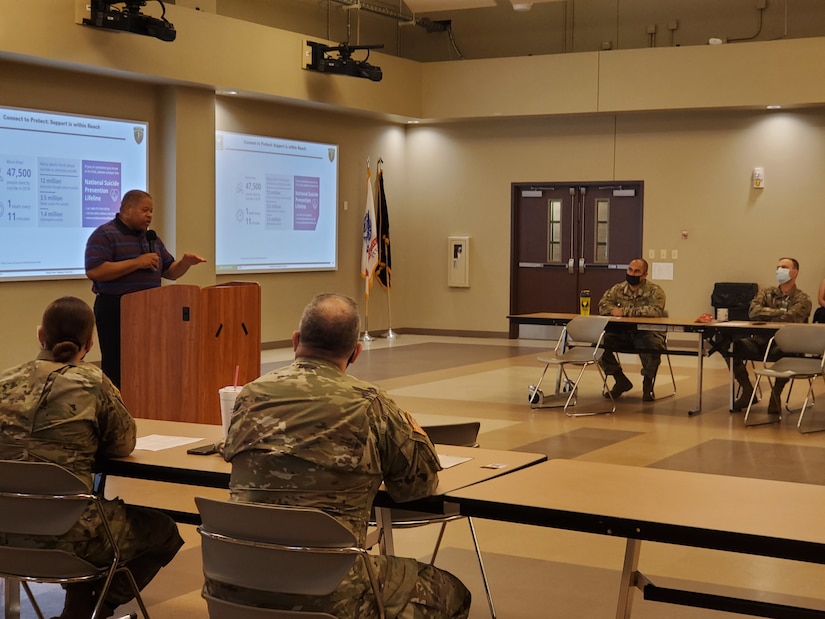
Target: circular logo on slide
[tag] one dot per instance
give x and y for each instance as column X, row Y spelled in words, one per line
column 238, row 214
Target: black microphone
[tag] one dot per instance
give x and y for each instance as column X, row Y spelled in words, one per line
column 151, row 236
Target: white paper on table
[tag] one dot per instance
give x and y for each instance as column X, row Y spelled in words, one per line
column 450, row 461
column 158, row 442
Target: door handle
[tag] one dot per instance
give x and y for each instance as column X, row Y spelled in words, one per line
column 583, row 206
column 571, row 262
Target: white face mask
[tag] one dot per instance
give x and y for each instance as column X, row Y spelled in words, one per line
column 783, row 275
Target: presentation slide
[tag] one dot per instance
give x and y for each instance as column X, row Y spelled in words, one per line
column 61, row 176
column 275, row 204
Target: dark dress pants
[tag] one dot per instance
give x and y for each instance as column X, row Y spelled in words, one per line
column 107, row 316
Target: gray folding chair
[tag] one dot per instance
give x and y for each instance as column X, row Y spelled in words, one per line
column 804, row 345
column 275, row 548
column 465, row 435
column 41, row 498
column 581, row 345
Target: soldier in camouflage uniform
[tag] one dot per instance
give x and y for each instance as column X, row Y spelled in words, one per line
column 782, row 303
column 633, row 297
column 310, row 435
column 60, row 409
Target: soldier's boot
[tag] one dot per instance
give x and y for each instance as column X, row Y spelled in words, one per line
column 740, row 373
column 647, row 389
column 80, row 601
column 621, row 385
column 775, row 404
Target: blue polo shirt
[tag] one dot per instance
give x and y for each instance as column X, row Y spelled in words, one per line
column 115, row 241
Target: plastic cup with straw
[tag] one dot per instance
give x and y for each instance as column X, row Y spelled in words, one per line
column 228, row 395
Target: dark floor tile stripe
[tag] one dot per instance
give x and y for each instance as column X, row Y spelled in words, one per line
column 799, row 463
column 577, row 442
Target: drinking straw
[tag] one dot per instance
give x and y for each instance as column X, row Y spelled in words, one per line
column 235, row 382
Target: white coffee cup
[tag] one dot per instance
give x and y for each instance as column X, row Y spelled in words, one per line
column 722, row 314
column 228, row 395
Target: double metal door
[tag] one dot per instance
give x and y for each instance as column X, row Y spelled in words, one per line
column 569, row 237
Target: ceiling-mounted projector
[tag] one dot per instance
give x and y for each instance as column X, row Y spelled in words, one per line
column 337, row 59
column 130, row 19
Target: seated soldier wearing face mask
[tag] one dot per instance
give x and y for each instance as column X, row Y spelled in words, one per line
column 633, row 297
column 782, row 303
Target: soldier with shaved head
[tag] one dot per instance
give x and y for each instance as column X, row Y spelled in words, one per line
column 311, row 435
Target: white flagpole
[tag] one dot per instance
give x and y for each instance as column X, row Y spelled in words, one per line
column 368, row 263
column 366, row 337
column 391, row 335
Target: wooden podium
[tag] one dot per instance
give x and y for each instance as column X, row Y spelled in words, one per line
column 181, row 343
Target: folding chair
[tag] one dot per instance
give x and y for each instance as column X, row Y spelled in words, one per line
column 580, row 344
column 465, row 435
column 804, row 345
column 275, row 548
column 42, row 498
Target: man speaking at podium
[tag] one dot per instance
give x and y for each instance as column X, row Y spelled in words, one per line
column 124, row 256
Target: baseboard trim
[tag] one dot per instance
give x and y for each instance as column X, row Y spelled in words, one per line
column 276, row 344
column 444, row 332
column 410, row 331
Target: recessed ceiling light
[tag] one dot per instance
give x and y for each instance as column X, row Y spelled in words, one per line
column 774, row 107
column 227, row 92
column 413, row 122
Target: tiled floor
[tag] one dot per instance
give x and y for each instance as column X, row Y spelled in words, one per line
column 540, row 573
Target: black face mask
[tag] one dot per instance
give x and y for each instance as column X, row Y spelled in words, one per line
column 633, row 280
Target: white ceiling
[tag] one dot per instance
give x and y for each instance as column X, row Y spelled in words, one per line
column 429, row 6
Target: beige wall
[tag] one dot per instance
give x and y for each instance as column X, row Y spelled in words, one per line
column 460, row 183
column 445, row 178
column 210, row 50
column 697, row 173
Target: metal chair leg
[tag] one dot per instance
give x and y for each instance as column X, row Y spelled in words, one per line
column 478, row 555
column 483, row 571
column 575, row 391
column 438, row 542
column 31, row 597
column 799, row 424
column 672, row 378
column 535, row 395
column 767, row 419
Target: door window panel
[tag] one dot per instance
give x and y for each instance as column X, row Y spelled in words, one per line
column 602, row 237
column 554, row 231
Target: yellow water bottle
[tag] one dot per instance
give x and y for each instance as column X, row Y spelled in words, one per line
column 584, row 303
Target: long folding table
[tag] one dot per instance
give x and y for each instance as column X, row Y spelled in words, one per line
column 174, row 465
column 736, row 514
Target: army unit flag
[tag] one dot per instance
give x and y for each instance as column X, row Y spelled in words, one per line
column 384, row 269
column 369, row 251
